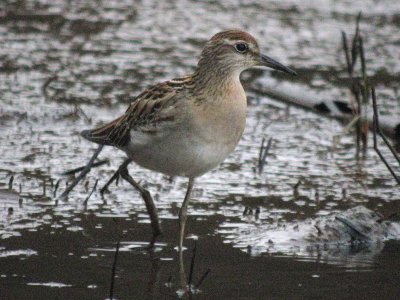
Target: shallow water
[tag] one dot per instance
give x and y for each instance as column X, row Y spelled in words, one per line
column 102, row 53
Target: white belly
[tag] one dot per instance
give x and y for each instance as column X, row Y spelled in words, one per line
column 179, row 153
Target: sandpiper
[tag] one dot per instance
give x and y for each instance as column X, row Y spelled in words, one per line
column 188, row 125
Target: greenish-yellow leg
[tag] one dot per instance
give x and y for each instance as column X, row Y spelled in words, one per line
column 183, row 213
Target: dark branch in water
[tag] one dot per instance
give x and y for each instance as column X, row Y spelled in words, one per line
column 93, row 189
column 296, row 186
column 46, row 85
column 82, row 175
column 10, row 182
column 96, row 164
column 296, row 189
column 192, row 266
column 114, row 266
column 262, row 156
column 56, row 187
column 44, row 187
column 202, row 278
column 377, row 129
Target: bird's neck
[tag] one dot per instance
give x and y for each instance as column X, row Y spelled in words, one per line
column 212, row 83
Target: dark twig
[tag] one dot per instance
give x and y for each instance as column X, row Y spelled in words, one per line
column 10, row 182
column 76, row 170
column 192, row 266
column 46, row 85
column 296, row 189
column 202, row 278
column 260, row 154
column 263, row 154
column 93, row 189
column 83, row 173
column 44, row 187
column 114, row 266
column 378, row 130
column 56, row 187
column 296, row 186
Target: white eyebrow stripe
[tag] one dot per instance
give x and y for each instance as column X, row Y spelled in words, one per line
column 233, row 42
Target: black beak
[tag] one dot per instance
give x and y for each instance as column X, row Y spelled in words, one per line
column 273, row 64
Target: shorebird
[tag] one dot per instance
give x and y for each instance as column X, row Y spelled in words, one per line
column 188, row 125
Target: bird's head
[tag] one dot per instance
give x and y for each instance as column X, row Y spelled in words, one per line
column 233, row 51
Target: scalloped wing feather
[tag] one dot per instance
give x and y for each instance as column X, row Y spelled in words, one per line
column 148, row 110
column 142, row 114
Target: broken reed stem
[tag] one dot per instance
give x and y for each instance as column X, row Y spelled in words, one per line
column 359, row 87
column 96, row 164
column 262, row 156
column 93, row 189
column 363, row 65
column 114, row 266
column 354, row 50
column 378, row 130
column 83, row 173
column 365, row 94
column 192, row 266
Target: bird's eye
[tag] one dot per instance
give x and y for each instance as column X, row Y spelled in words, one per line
column 241, row 47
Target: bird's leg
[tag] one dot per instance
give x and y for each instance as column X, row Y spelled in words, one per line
column 113, row 178
column 183, row 213
column 148, row 200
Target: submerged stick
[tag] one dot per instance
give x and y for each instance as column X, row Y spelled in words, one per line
column 192, row 266
column 93, row 189
column 262, row 156
column 114, row 266
column 83, row 173
column 202, row 278
column 56, row 187
column 10, row 182
column 46, row 85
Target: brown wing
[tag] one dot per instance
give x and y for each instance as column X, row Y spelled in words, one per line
column 144, row 110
